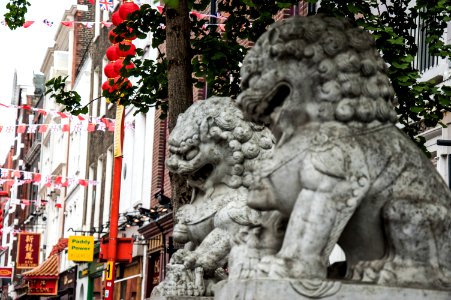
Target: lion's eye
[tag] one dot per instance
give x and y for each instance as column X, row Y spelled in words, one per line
column 191, row 154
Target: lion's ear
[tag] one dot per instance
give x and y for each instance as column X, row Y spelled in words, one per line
column 204, row 128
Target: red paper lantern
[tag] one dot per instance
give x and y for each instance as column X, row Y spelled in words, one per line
column 124, row 84
column 131, row 36
column 111, row 53
column 109, row 70
column 114, row 38
column 120, row 82
column 107, row 86
column 116, row 18
column 127, row 8
column 118, row 64
column 131, row 49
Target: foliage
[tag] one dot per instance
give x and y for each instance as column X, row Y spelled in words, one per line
column 217, row 55
column 71, row 99
column 391, row 23
column 15, row 16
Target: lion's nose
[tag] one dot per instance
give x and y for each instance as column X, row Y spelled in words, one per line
column 172, row 164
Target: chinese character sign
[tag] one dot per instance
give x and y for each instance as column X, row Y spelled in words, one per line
column 28, row 245
column 43, row 286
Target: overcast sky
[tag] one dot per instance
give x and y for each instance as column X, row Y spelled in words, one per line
column 23, row 50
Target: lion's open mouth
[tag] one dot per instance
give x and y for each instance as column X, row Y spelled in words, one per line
column 276, row 97
column 200, row 176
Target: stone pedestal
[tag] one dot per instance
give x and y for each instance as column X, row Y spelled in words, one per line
column 269, row 289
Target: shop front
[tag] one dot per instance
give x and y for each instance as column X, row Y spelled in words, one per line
column 129, row 280
column 160, row 247
column 67, row 283
column 95, row 284
column 42, row 281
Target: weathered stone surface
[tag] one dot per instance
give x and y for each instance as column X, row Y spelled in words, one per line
column 217, row 151
column 269, row 289
column 341, row 171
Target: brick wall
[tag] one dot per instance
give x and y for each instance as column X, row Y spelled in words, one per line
column 160, row 174
column 82, row 35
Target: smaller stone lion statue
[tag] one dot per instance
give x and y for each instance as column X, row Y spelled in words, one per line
column 216, row 150
column 341, row 171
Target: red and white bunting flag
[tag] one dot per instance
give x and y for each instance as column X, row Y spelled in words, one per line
column 58, row 180
column 47, row 22
column 83, row 182
column 62, row 114
column 43, row 128
column 68, row 23
column 55, row 127
column 198, row 15
column 21, row 128
column 78, row 127
column 65, row 183
column 107, row 24
column 42, row 111
column 88, row 24
column 32, row 128
column 48, row 181
column 27, row 24
column 101, row 127
column 91, row 127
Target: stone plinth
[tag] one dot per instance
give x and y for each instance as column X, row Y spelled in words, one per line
column 265, row 289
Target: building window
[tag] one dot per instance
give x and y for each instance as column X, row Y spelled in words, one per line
column 424, row 60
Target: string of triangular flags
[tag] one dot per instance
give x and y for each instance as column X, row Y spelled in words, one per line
column 26, row 202
column 108, row 5
column 10, row 229
column 16, row 201
column 104, row 126
column 19, row 177
column 64, row 23
column 80, row 122
column 55, row 113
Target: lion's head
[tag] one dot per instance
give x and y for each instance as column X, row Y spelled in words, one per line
column 317, row 68
column 213, row 144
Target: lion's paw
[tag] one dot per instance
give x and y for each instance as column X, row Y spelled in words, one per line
column 273, row 267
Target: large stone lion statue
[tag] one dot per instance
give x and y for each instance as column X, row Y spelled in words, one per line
column 341, row 171
column 216, row 150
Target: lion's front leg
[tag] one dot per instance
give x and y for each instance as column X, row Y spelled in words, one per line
column 304, row 252
column 211, row 253
column 316, row 222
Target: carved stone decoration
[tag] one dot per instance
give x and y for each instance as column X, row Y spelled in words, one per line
column 341, row 171
column 216, row 150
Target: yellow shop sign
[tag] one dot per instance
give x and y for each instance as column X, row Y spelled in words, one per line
column 81, row 248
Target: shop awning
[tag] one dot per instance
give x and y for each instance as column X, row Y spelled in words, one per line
column 48, row 269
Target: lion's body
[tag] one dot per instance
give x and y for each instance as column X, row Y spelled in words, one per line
column 216, row 150
column 341, row 171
